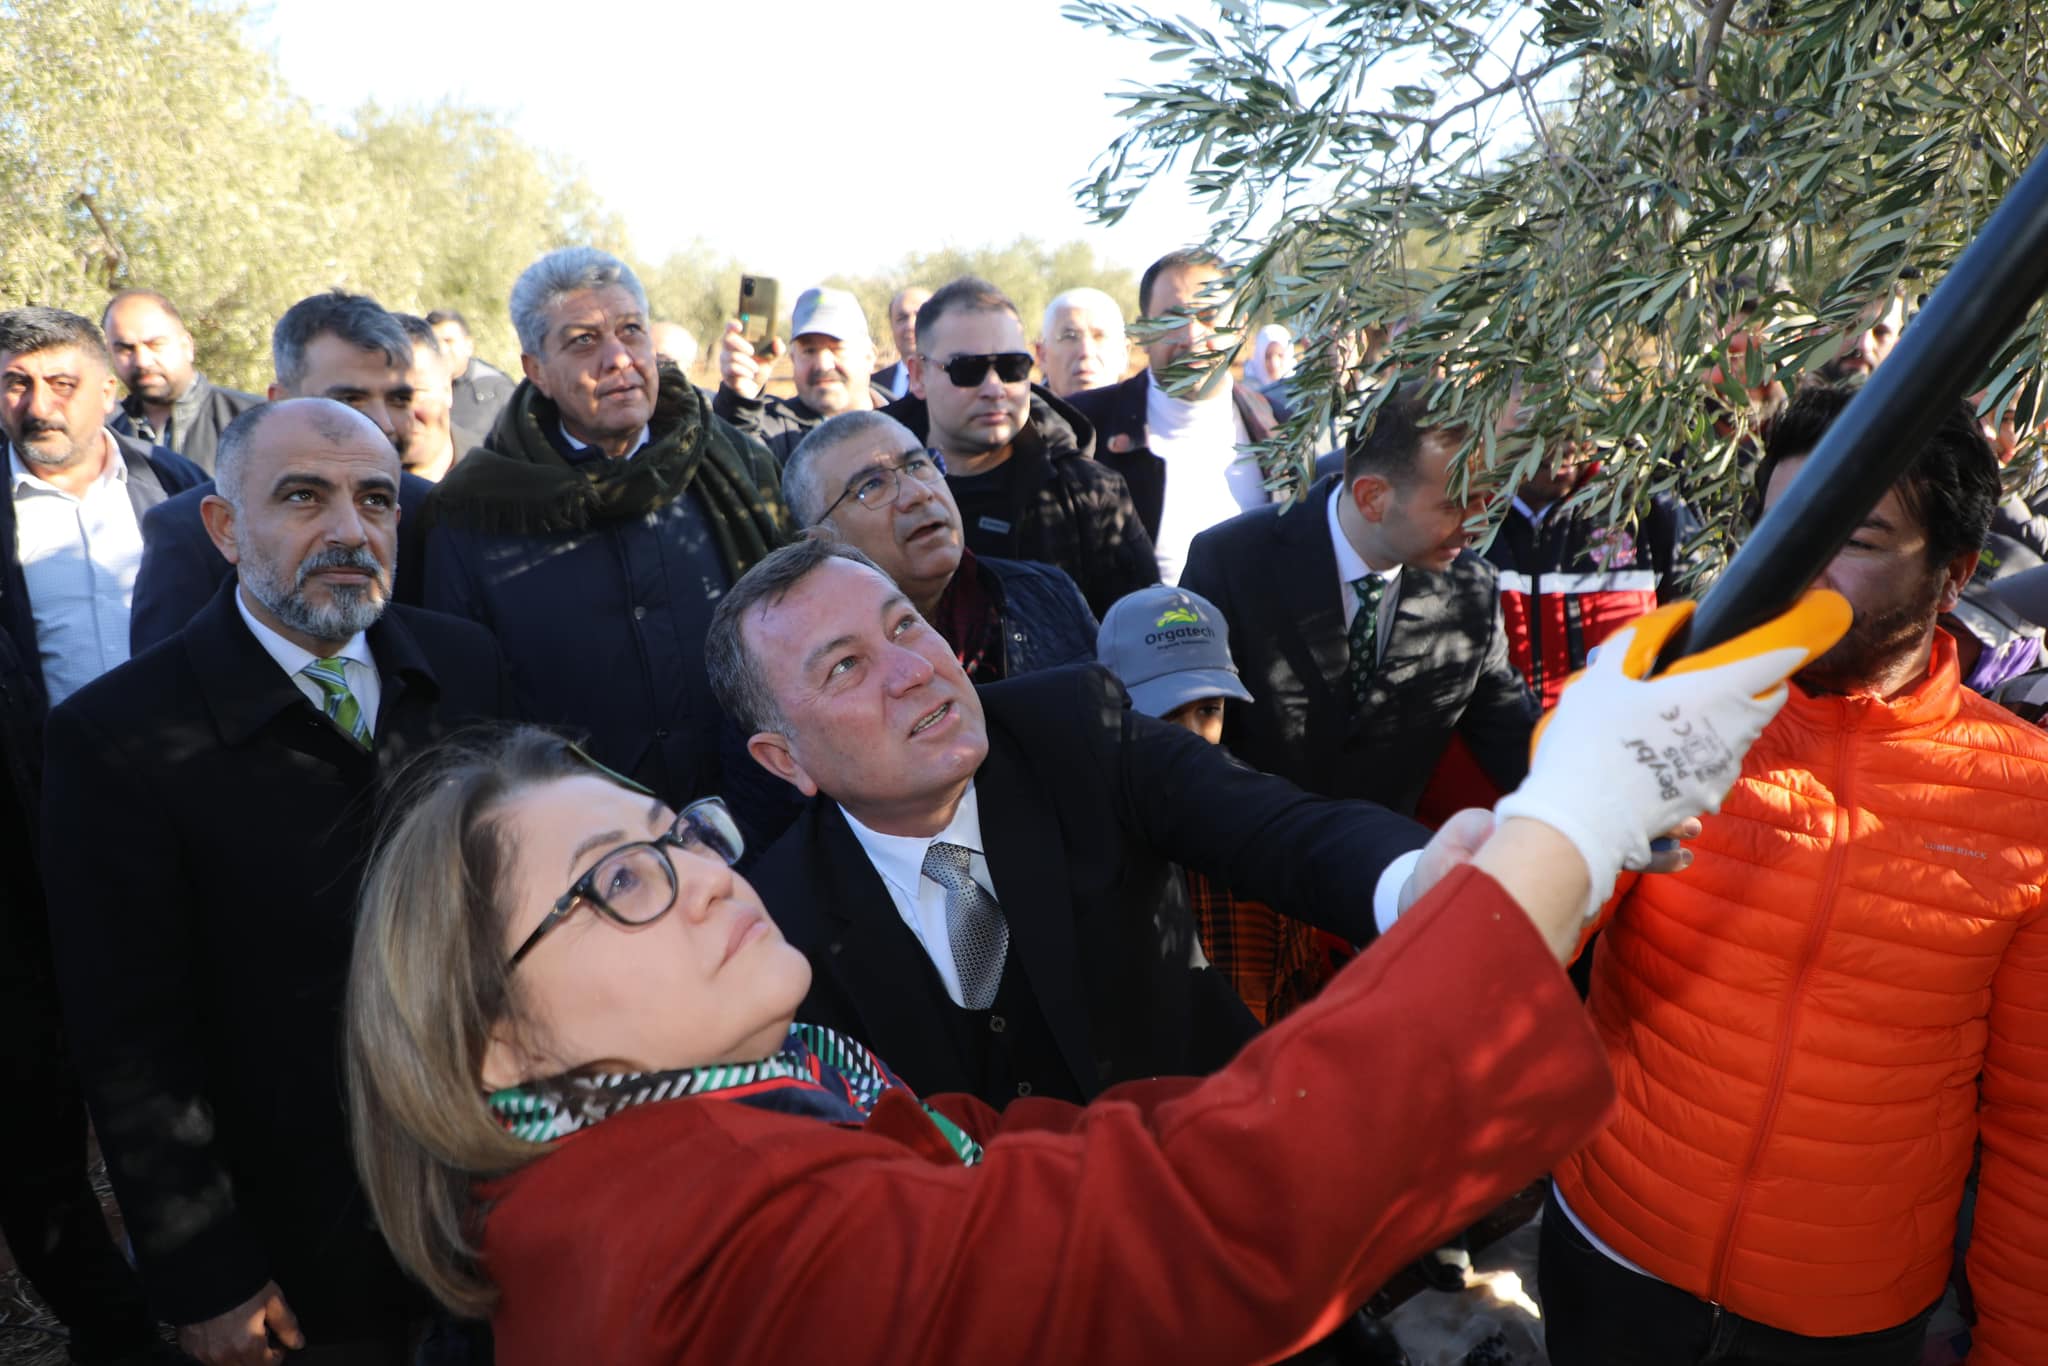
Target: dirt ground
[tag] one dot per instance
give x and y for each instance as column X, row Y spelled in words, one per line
column 1498, row 1321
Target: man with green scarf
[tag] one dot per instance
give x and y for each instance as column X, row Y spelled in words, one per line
column 596, row 527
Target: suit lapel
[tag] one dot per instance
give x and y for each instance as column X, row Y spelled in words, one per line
column 876, row 963
column 1314, row 633
column 1023, row 845
column 408, row 692
column 1418, row 623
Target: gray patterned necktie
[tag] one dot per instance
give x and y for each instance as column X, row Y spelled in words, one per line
column 974, row 922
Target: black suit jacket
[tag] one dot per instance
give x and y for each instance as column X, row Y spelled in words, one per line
column 887, row 377
column 205, row 830
column 181, row 569
column 154, row 475
column 1085, row 806
column 1444, row 667
column 1117, row 412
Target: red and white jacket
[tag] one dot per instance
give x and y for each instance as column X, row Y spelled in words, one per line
column 1567, row 583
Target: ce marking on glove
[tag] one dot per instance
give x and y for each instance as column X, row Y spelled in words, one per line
column 1690, row 754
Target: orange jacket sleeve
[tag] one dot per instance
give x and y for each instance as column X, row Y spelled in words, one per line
column 2009, row 1242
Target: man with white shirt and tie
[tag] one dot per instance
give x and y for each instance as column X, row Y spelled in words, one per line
column 1370, row 584
column 982, row 878
column 201, row 953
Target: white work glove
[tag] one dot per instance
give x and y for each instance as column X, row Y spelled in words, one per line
column 1623, row 758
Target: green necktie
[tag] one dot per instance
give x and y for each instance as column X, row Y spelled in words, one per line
column 341, row 706
column 1364, row 635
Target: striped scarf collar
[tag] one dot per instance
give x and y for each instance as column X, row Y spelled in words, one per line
column 819, row 1073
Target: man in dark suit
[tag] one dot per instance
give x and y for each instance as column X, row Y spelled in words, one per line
column 201, row 952
column 334, row 345
column 69, row 525
column 894, row 378
column 981, row 879
column 1145, row 432
column 1365, row 628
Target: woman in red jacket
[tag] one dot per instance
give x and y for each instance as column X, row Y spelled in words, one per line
column 579, row 1104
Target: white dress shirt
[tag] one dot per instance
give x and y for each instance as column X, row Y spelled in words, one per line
column 920, row 901
column 357, row 664
column 79, row 557
column 1208, row 479
column 1351, row 565
column 1386, row 896
column 646, row 435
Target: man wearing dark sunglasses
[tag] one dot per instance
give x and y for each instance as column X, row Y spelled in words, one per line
column 1016, row 457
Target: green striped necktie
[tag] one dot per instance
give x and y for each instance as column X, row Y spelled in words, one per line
column 341, row 706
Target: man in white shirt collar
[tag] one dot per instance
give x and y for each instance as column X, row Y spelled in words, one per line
column 1185, row 453
column 1391, row 516
column 305, row 507
column 77, row 534
column 1021, row 796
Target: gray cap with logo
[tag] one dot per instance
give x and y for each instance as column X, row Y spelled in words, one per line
column 829, row 312
column 1170, row 647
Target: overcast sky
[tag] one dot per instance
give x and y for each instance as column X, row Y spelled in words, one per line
column 802, row 138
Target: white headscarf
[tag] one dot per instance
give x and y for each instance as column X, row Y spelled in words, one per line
column 1255, row 373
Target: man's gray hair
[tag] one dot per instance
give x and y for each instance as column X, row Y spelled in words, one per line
column 564, row 271
column 1083, row 296
column 357, row 319
column 735, row 675
column 802, row 489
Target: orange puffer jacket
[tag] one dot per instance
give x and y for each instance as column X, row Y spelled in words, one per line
column 1812, row 1026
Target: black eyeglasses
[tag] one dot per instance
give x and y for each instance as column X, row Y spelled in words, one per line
column 878, row 486
column 1011, row 367
column 635, row 884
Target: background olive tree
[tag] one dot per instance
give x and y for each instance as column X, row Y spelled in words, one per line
column 150, row 143
column 1588, row 178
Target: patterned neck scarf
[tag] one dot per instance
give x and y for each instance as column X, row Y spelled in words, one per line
column 819, row 1073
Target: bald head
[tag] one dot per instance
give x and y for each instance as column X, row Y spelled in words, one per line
column 674, row 343
column 903, row 318
column 269, row 428
column 306, row 509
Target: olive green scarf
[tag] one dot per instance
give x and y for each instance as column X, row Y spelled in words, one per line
column 518, row 483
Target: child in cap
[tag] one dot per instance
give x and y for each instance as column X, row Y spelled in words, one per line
column 1171, row 650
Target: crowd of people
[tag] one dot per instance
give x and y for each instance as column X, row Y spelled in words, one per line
column 1041, row 892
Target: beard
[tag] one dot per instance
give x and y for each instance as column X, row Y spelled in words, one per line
column 152, row 388
column 350, row 610
column 61, row 455
column 1876, row 639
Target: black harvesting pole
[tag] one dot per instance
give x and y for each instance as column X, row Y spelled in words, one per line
column 1976, row 307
